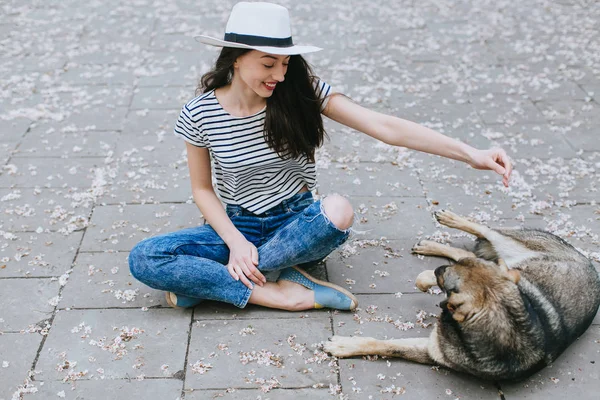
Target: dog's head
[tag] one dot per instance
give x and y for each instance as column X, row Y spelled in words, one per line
column 474, row 286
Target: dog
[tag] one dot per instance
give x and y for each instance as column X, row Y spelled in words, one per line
column 512, row 306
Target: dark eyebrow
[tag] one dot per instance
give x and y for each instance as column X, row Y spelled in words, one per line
column 274, row 58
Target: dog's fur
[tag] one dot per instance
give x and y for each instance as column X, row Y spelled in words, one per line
column 511, row 308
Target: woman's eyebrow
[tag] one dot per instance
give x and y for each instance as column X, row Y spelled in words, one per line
column 274, row 58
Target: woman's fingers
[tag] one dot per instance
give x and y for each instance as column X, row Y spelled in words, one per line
column 254, row 255
column 508, row 164
column 501, row 159
column 242, row 273
column 232, row 272
column 242, row 276
column 252, row 273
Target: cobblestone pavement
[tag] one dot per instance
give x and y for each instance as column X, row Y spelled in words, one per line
column 89, row 93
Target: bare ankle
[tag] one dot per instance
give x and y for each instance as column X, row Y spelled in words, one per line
column 296, row 296
column 284, row 295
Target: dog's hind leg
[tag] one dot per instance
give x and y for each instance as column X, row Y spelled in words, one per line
column 430, row 248
column 415, row 349
column 512, row 251
column 452, row 220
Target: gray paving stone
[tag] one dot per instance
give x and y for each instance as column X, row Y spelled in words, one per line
column 253, row 394
column 591, row 89
column 568, row 187
column 6, row 151
column 361, row 378
column 18, row 353
column 15, row 315
column 35, row 62
column 566, row 110
column 579, row 135
column 369, row 179
column 483, row 202
column 51, row 172
column 38, row 254
column 103, row 280
column 390, row 316
column 173, row 43
column 391, row 217
column 114, row 344
column 76, row 144
column 109, row 388
column 290, row 361
column 146, row 184
column 501, row 109
column 157, row 123
column 574, row 374
column 550, row 89
column 27, row 209
column 95, row 52
column 168, row 98
column 139, row 151
column 379, row 266
column 100, row 118
column 530, row 140
column 92, row 97
column 176, row 68
column 13, row 130
column 100, row 74
column 121, row 227
column 441, row 115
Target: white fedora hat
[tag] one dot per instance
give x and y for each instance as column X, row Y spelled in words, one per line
column 260, row 26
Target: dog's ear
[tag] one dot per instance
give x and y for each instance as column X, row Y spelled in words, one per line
column 502, row 265
column 514, row 276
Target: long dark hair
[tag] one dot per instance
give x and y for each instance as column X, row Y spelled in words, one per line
column 293, row 124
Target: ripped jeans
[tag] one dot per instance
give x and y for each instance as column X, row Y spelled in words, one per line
column 191, row 262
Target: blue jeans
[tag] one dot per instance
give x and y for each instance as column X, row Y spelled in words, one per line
column 191, row 262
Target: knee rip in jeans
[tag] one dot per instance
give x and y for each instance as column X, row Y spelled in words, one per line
column 354, row 216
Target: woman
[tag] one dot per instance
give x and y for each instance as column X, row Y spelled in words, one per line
column 258, row 120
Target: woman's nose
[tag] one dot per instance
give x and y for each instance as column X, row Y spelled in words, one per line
column 279, row 75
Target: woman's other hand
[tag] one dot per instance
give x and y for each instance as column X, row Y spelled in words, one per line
column 243, row 260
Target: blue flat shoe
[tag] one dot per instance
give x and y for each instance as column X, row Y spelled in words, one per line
column 327, row 294
column 180, row 301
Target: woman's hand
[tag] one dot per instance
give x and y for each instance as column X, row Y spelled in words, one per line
column 243, row 259
column 493, row 159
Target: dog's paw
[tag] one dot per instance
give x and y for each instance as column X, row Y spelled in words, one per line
column 426, row 248
column 448, row 218
column 342, row 346
column 425, row 280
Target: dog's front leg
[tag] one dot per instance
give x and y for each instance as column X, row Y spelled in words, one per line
column 414, row 349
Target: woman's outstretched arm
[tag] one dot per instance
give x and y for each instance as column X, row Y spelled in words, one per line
column 400, row 132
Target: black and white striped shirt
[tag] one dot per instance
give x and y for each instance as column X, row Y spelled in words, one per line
column 247, row 171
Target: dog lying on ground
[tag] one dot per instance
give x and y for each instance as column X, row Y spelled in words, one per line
column 511, row 308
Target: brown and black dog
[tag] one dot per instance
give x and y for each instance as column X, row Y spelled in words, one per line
column 511, row 308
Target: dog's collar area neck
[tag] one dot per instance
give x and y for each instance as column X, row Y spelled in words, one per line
column 529, row 307
column 252, row 40
column 536, row 318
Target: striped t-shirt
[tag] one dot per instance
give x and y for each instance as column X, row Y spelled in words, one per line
column 247, row 171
